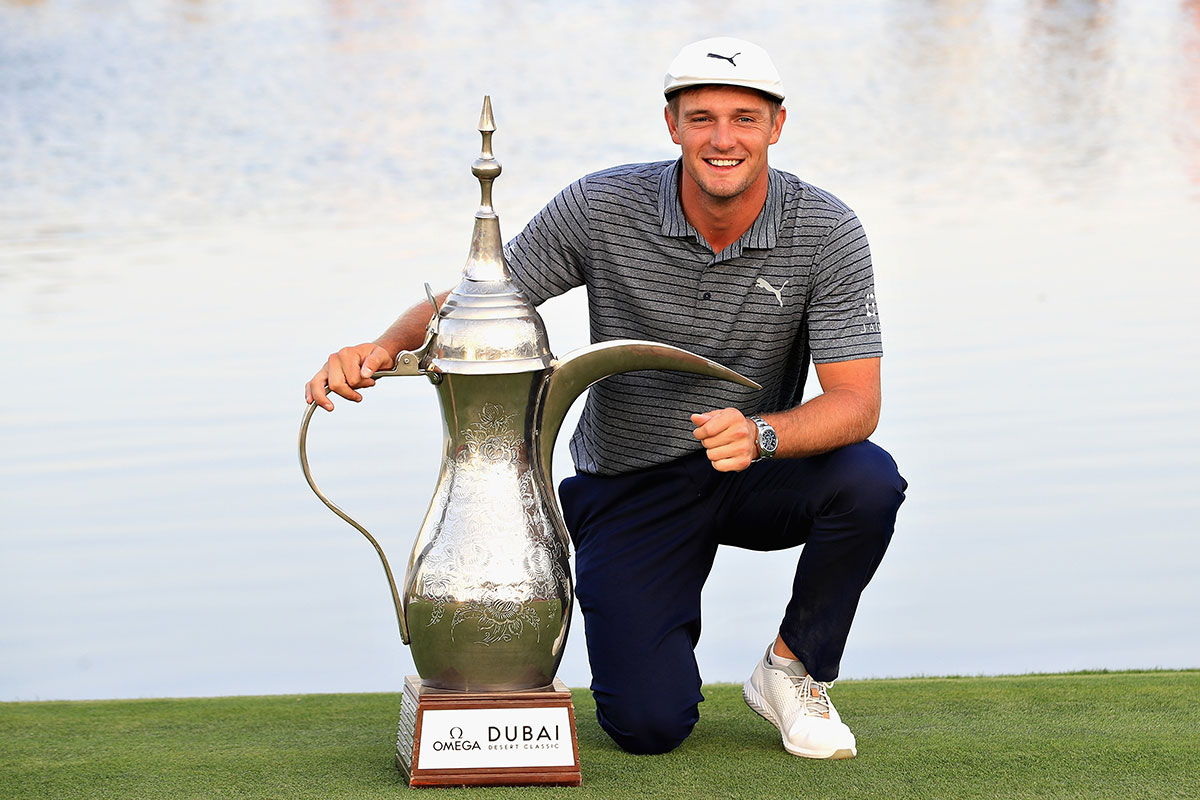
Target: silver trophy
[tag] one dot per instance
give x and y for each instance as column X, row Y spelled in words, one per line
column 487, row 594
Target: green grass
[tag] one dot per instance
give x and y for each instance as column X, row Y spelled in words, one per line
column 1093, row 735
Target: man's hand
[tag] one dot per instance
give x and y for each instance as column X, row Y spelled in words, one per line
column 730, row 439
column 348, row 369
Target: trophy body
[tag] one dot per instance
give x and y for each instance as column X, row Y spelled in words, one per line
column 488, row 596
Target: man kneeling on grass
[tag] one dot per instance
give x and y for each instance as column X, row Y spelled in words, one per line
column 718, row 253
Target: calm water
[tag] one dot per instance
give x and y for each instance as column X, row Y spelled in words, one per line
column 199, row 200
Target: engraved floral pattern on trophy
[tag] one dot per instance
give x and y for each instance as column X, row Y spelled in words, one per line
column 496, row 560
column 491, row 438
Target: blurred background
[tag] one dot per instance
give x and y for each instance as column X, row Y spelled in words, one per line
column 199, row 200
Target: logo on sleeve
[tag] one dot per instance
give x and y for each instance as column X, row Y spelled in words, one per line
column 871, row 325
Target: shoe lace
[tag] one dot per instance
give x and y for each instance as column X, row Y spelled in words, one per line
column 814, row 696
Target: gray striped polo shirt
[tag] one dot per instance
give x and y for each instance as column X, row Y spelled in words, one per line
column 797, row 285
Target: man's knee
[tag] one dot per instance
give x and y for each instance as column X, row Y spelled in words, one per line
column 867, row 479
column 645, row 728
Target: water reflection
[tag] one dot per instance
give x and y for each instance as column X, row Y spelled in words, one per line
column 316, row 113
column 1067, row 45
column 981, row 94
column 1186, row 118
column 198, row 199
column 942, row 64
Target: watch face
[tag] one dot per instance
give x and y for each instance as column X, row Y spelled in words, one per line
column 769, row 441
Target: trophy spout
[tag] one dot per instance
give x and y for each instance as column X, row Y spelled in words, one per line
column 570, row 376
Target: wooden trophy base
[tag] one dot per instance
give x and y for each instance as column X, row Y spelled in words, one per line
column 522, row 738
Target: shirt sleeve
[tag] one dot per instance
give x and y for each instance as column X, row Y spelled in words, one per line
column 549, row 256
column 843, row 318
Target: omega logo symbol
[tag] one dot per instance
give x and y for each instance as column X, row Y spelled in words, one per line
column 455, row 742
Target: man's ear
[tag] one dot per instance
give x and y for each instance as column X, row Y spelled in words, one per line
column 674, row 129
column 777, row 128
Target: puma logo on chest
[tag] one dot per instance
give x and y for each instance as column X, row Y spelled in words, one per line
column 777, row 292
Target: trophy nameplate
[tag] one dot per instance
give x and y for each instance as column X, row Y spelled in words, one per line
column 454, row 738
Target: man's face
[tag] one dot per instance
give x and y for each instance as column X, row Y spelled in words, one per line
column 724, row 132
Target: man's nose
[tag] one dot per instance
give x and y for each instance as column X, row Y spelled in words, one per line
column 722, row 135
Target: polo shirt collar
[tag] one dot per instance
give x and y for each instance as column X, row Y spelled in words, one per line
column 763, row 232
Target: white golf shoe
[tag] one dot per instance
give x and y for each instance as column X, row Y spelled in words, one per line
column 800, row 708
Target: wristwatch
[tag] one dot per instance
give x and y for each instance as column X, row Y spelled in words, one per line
column 767, row 440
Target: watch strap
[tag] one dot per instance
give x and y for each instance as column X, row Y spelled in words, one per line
column 767, row 440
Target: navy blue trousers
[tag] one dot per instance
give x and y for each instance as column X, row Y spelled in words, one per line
column 645, row 543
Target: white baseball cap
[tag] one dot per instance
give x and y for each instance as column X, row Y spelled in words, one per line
column 723, row 60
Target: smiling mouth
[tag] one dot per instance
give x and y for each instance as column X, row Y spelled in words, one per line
column 723, row 162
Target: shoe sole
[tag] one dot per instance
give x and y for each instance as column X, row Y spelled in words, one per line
column 756, row 702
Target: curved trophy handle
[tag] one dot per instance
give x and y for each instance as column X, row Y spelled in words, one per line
column 407, row 363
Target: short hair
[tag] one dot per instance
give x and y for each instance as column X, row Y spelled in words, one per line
column 773, row 103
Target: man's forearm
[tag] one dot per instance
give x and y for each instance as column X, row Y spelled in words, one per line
column 847, row 411
column 834, row 419
column 408, row 331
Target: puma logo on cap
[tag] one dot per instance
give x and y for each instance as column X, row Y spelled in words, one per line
column 727, row 58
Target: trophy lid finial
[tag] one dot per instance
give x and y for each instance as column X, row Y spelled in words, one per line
column 486, row 168
column 486, row 259
column 487, row 123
